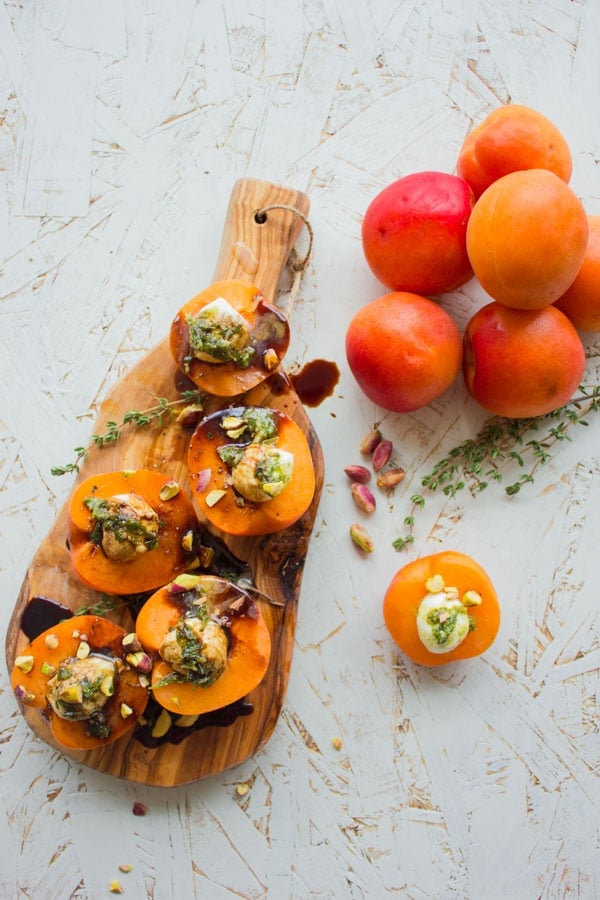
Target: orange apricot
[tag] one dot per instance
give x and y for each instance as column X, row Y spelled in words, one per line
column 526, row 238
column 520, row 363
column 404, row 351
column 581, row 301
column 512, row 138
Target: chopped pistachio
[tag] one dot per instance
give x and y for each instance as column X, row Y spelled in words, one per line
column 472, row 598
column 242, row 789
column 51, row 641
column 48, row 668
column 185, row 721
column 435, row 584
column 361, row 538
column 125, row 710
column 213, row 497
column 187, row 541
column 83, row 651
column 24, row 663
column 270, row 359
column 169, row 490
column 108, row 686
column 162, row 724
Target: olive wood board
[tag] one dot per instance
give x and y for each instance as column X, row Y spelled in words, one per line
column 254, row 249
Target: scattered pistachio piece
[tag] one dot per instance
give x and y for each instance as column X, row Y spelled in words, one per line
column 108, row 686
column 169, row 490
column 270, row 359
column 381, row 454
column 361, row 538
column 24, row 695
column 131, row 642
column 83, row 651
column 369, row 442
column 187, row 541
column 24, row 663
column 185, row 721
column 435, row 584
column 388, row 480
column 162, row 724
column 115, row 887
column 125, row 867
column 363, row 497
column 472, row 598
column 140, row 661
column 242, row 789
column 358, row 473
column 336, row 743
column 48, row 668
column 190, row 415
column 125, row 710
column 51, row 641
column 139, row 809
column 213, row 497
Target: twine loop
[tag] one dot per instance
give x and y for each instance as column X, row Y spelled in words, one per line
column 296, row 264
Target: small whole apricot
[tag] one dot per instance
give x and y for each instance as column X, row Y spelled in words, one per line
column 581, row 301
column 404, row 351
column 509, row 139
column 414, row 233
column 526, row 238
column 521, row 363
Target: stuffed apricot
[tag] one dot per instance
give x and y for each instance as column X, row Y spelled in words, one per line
column 129, row 531
column 251, row 470
column 228, row 339
column 210, row 643
column 77, row 673
column 442, row 608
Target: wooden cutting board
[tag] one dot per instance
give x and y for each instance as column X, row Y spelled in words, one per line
column 256, row 249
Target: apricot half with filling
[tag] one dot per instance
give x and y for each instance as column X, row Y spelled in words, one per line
column 77, row 673
column 210, row 641
column 442, row 608
column 126, row 530
column 228, row 339
column 251, row 470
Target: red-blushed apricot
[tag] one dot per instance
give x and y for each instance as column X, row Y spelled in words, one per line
column 414, row 233
column 526, row 238
column 521, row 363
column 404, row 351
column 581, row 301
column 509, row 139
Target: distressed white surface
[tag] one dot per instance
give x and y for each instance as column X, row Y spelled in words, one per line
column 123, row 126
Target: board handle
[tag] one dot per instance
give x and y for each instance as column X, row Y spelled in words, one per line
column 256, row 247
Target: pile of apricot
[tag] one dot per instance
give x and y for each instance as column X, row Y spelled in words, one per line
column 509, row 218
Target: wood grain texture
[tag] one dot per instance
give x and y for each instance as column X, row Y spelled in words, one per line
column 276, row 560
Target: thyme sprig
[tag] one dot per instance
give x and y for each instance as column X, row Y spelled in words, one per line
column 163, row 410
column 501, row 443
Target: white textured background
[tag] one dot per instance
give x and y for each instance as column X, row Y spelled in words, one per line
column 123, row 125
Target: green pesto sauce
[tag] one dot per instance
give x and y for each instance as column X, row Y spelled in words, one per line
column 442, row 631
column 216, row 338
column 123, row 527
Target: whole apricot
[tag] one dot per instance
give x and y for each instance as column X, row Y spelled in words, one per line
column 404, row 351
column 414, row 233
column 581, row 301
column 512, row 138
column 526, row 238
column 521, row 363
